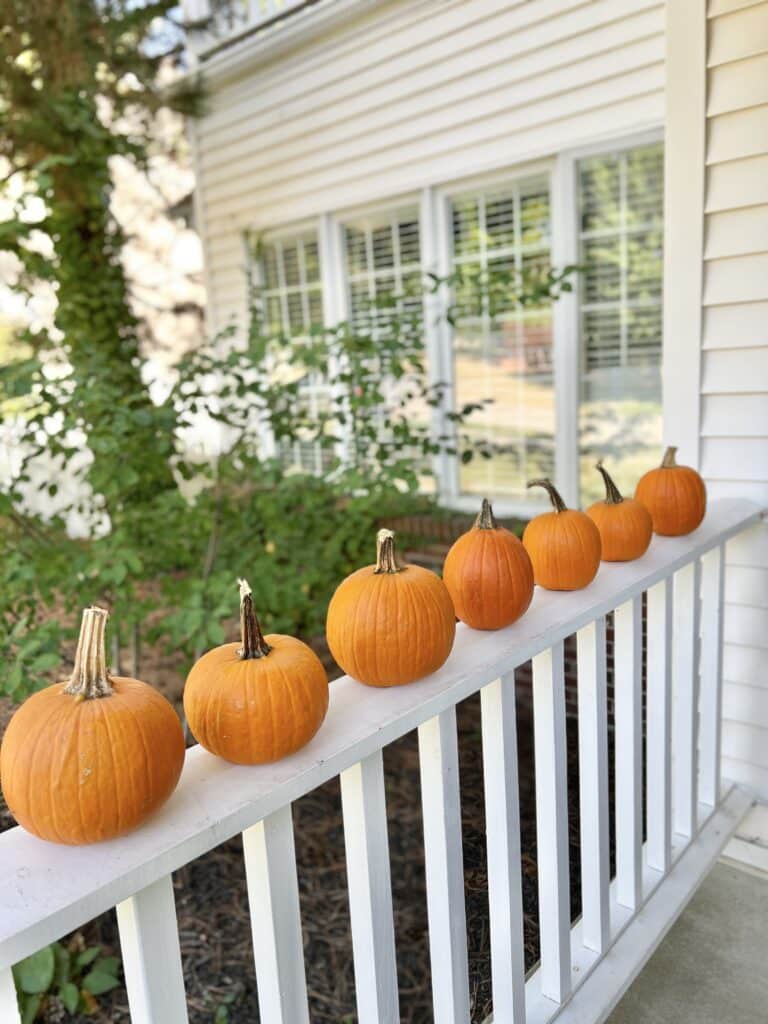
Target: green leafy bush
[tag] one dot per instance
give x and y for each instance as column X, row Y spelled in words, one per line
column 72, row 976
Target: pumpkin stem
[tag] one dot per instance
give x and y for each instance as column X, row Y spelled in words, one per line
column 554, row 495
column 89, row 677
column 613, row 495
column 486, row 519
column 254, row 644
column 386, row 561
column 668, row 462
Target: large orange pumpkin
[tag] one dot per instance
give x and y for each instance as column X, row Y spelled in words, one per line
column 259, row 700
column 564, row 545
column 91, row 758
column 674, row 495
column 390, row 624
column 488, row 574
column 625, row 525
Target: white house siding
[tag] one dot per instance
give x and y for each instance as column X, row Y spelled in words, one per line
column 723, row 357
column 409, row 93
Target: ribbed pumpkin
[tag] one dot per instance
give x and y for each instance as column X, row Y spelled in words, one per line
column 488, row 574
column 564, row 545
column 257, row 701
column 625, row 525
column 390, row 624
column 674, row 495
column 91, row 758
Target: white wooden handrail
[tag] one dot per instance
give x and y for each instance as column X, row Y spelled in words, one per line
column 47, row 890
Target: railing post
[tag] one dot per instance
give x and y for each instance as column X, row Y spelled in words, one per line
column 658, row 724
column 593, row 786
column 552, row 822
column 370, row 891
column 9, row 1004
column 502, row 825
column 685, row 700
column 273, row 897
column 439, row 766
column 628, row 704
column 712, row 607
column 149, row 940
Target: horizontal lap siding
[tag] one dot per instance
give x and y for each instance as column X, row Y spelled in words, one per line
column 734, row 403
column 415, row 93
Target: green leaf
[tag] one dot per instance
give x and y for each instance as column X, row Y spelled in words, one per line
column 87, row 956
column 69, row 994
column 29, row 1007
column 35, row 973
column 108, row 965
column 98, row 982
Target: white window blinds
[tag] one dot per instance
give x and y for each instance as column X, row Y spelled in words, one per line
column 502, row 347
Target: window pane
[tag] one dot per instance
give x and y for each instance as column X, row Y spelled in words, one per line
column 502, row 346
column 621, row 202
column 293, row 302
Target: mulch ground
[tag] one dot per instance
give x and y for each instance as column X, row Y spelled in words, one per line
column 212, row 905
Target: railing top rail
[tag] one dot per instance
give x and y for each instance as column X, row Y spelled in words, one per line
column 46, row 890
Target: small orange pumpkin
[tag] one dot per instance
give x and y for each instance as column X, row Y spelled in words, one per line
column 488, row 574
column 257, row 701
column 91, row 758
column 564, row 545
column 390, row 624
column 625, row 525
column 674, row 495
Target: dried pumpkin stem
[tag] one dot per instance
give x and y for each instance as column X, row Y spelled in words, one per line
column 668, row 462
column 254, row 644
column 89, row 677
column 554, row 495
column 386, row 561
column 486, row 519
column 613, row 495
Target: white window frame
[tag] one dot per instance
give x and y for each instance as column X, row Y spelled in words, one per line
column 566, row 326
column 434, row 205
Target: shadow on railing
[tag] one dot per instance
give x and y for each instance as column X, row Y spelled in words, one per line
column 47, row 891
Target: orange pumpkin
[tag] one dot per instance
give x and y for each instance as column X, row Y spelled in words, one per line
column 625, row 525
column 674, row 495
column 564, row 545
column 91, row 758
column 257, row 701
column 390, row 624
column 488, row 574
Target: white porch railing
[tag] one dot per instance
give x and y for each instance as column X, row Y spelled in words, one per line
column 46, row 890
column 232, row 20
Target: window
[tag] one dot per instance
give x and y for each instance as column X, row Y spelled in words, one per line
column 293, row 303
column 502, row 351
column 383, row 260
column 620, row 213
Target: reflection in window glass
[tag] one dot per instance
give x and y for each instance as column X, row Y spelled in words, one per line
column 620, row 233
column 293, row 303
column 384, row 281
column 501, row 350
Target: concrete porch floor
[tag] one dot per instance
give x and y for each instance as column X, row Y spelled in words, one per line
column 711, row 967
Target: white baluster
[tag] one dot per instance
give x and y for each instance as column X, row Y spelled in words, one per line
column 712, row 607
column 552, row 822
column 9, row 1005
column 370, row 893
column 658, row 724
column 439, row 765
column 628, row 705
column 593, row 786
column 273, row 896
column 502, row 824
column 685, row 700
column 149, row 940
